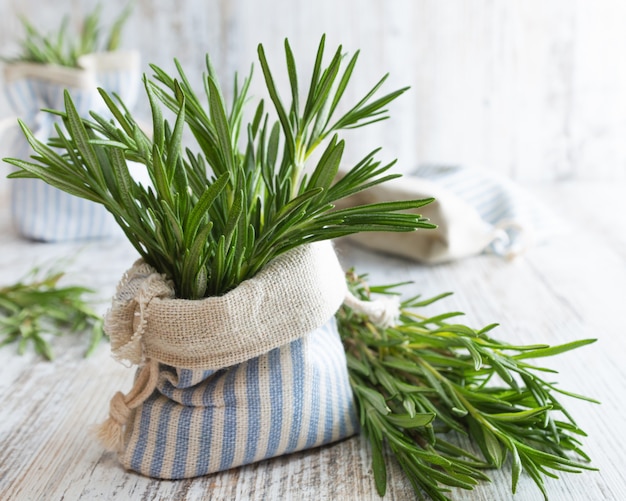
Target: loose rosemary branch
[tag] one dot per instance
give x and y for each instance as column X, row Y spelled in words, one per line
column 37, row 306
column 425, row 377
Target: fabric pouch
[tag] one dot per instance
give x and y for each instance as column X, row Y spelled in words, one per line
column 230, row 380
column 460, row 230
column 39, row 211
column 475, row 212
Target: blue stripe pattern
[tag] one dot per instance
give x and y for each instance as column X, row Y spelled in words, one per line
column 294, row 397
column 39, row 211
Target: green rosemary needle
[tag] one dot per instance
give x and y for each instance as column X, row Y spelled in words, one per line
column 424, row 377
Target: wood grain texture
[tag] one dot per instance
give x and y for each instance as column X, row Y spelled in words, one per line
column 529, row 89
column 570, row 288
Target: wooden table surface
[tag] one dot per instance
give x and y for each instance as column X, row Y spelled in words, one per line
column 570, row 288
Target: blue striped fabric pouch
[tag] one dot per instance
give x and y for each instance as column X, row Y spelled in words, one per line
column 518, row 219
column 230, row 380
column 475, row 212
column 39, row 211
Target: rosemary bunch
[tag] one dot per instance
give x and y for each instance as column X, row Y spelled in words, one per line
column 64, row 49
column 38, row 306
column 425, row 377
column 217, row 212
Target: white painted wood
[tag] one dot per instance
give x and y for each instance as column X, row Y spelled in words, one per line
column 570, row 288
column 530, row 89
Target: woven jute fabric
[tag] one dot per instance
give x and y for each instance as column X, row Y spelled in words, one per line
column 294, row 294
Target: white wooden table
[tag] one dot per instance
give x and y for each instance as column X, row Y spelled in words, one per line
column 572, row 288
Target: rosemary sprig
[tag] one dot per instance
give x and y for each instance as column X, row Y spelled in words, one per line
column 216, row 216
column 37, row 306
column 425, row 377
column 64, row 49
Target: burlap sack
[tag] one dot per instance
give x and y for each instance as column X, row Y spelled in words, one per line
column 39, row 211
column 225, row 381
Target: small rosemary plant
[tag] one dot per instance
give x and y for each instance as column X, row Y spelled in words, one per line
column 217, row 214
column 425, row 379
column 63, row 49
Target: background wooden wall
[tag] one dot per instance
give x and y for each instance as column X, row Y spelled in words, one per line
column 531, row 89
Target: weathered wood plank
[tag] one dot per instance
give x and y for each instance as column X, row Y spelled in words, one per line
column 572, row 288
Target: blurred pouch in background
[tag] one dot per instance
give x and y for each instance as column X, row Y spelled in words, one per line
column 475, row 212
column 39, row 211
